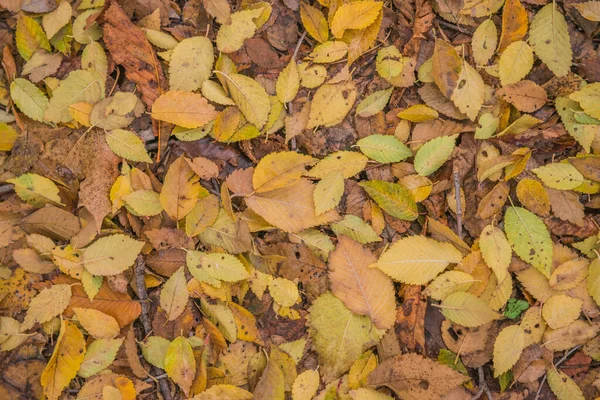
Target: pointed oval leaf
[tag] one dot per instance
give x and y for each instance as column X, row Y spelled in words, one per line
column 467, row 310
column 393, row 198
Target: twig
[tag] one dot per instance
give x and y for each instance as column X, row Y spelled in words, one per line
column 483, row 387
column 562, row 360
column 140, row 283
column 456, row 178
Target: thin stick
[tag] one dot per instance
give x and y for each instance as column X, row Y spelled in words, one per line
column 140, row 283
column 483, row 387
column 458, row 203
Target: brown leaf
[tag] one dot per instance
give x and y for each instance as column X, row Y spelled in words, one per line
column 53, row 222
column 129, row 47
column 410, row 319
column 493, row 202
column 414, row 377
column 364, row 290
column 526, row 96
column 566, row 206
column 118, row 305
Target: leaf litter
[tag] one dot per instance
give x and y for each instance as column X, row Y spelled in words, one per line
column 299, row 200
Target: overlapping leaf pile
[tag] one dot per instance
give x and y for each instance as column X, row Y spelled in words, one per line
column 293, row 200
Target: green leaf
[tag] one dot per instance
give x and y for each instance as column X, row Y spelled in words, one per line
column 374, row 103
column 191, row 63
column 99, row 356
column 29, row 98
column 515, row 307
column 355, row 228
column 488, row 124
column 467, row 310
column 529, row 238
column 154, row 350
column 128, row 145
column 393, row 198
column 180, row 364
column 35, row 189
column 111, row 255
column 384, row 149
column 584, row 134
column 433, row 154
column 339, row 344
column 549, row 37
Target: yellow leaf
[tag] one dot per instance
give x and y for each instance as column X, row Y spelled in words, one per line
column 291, row 208
column 416, row 260
column 465, row 309
column 561, row 310
column 306, row 385
column 448, row 282
column 180, row 190
column 549, row 37
column 30, row 100
column 246, row 324
column 562, row 386
column 111, row 255
column 533, row 196
column 30, row 36
column 180, row 364
column 349, row 163
column 311, row 75
column 219, row 9
column 36, row 190
column 561, row 176
column 48, row 304
column 469, row 92
column 515, row 62
column 242, row 26
column 508, row 347
column 174, row 294
column 78, row 86
column 65, row 361
column 363, row 290
column 529, row 238
column 186, row 109
column 221, row 392
column 55, row 20
column 496, row 251
column 418, row 113
column 374, row 103
column 533, row 325
column 484, row 42
column 328, row 52
column 191, row 63
column 514, row 24
column 99, row 355
column 143, row 203
column 288, row 83
column 284, row 292
column 328, row 192
column 277, row 170
column 250, row 97
column 354, row 15
column 314, row 22
column 128, row 145
column 8, row 136
column 96, row 323
column 360, row 41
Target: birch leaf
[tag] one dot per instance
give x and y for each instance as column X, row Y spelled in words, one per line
column 416, row 260
column 191, row 64
column 68, row 354
column 508, row 348
column 48, row 304
column 180, row 364
column 363, row 290
column 180, row 190
column 465, row 309
column 30, row 100
column 174, row 294
column 549, row 37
